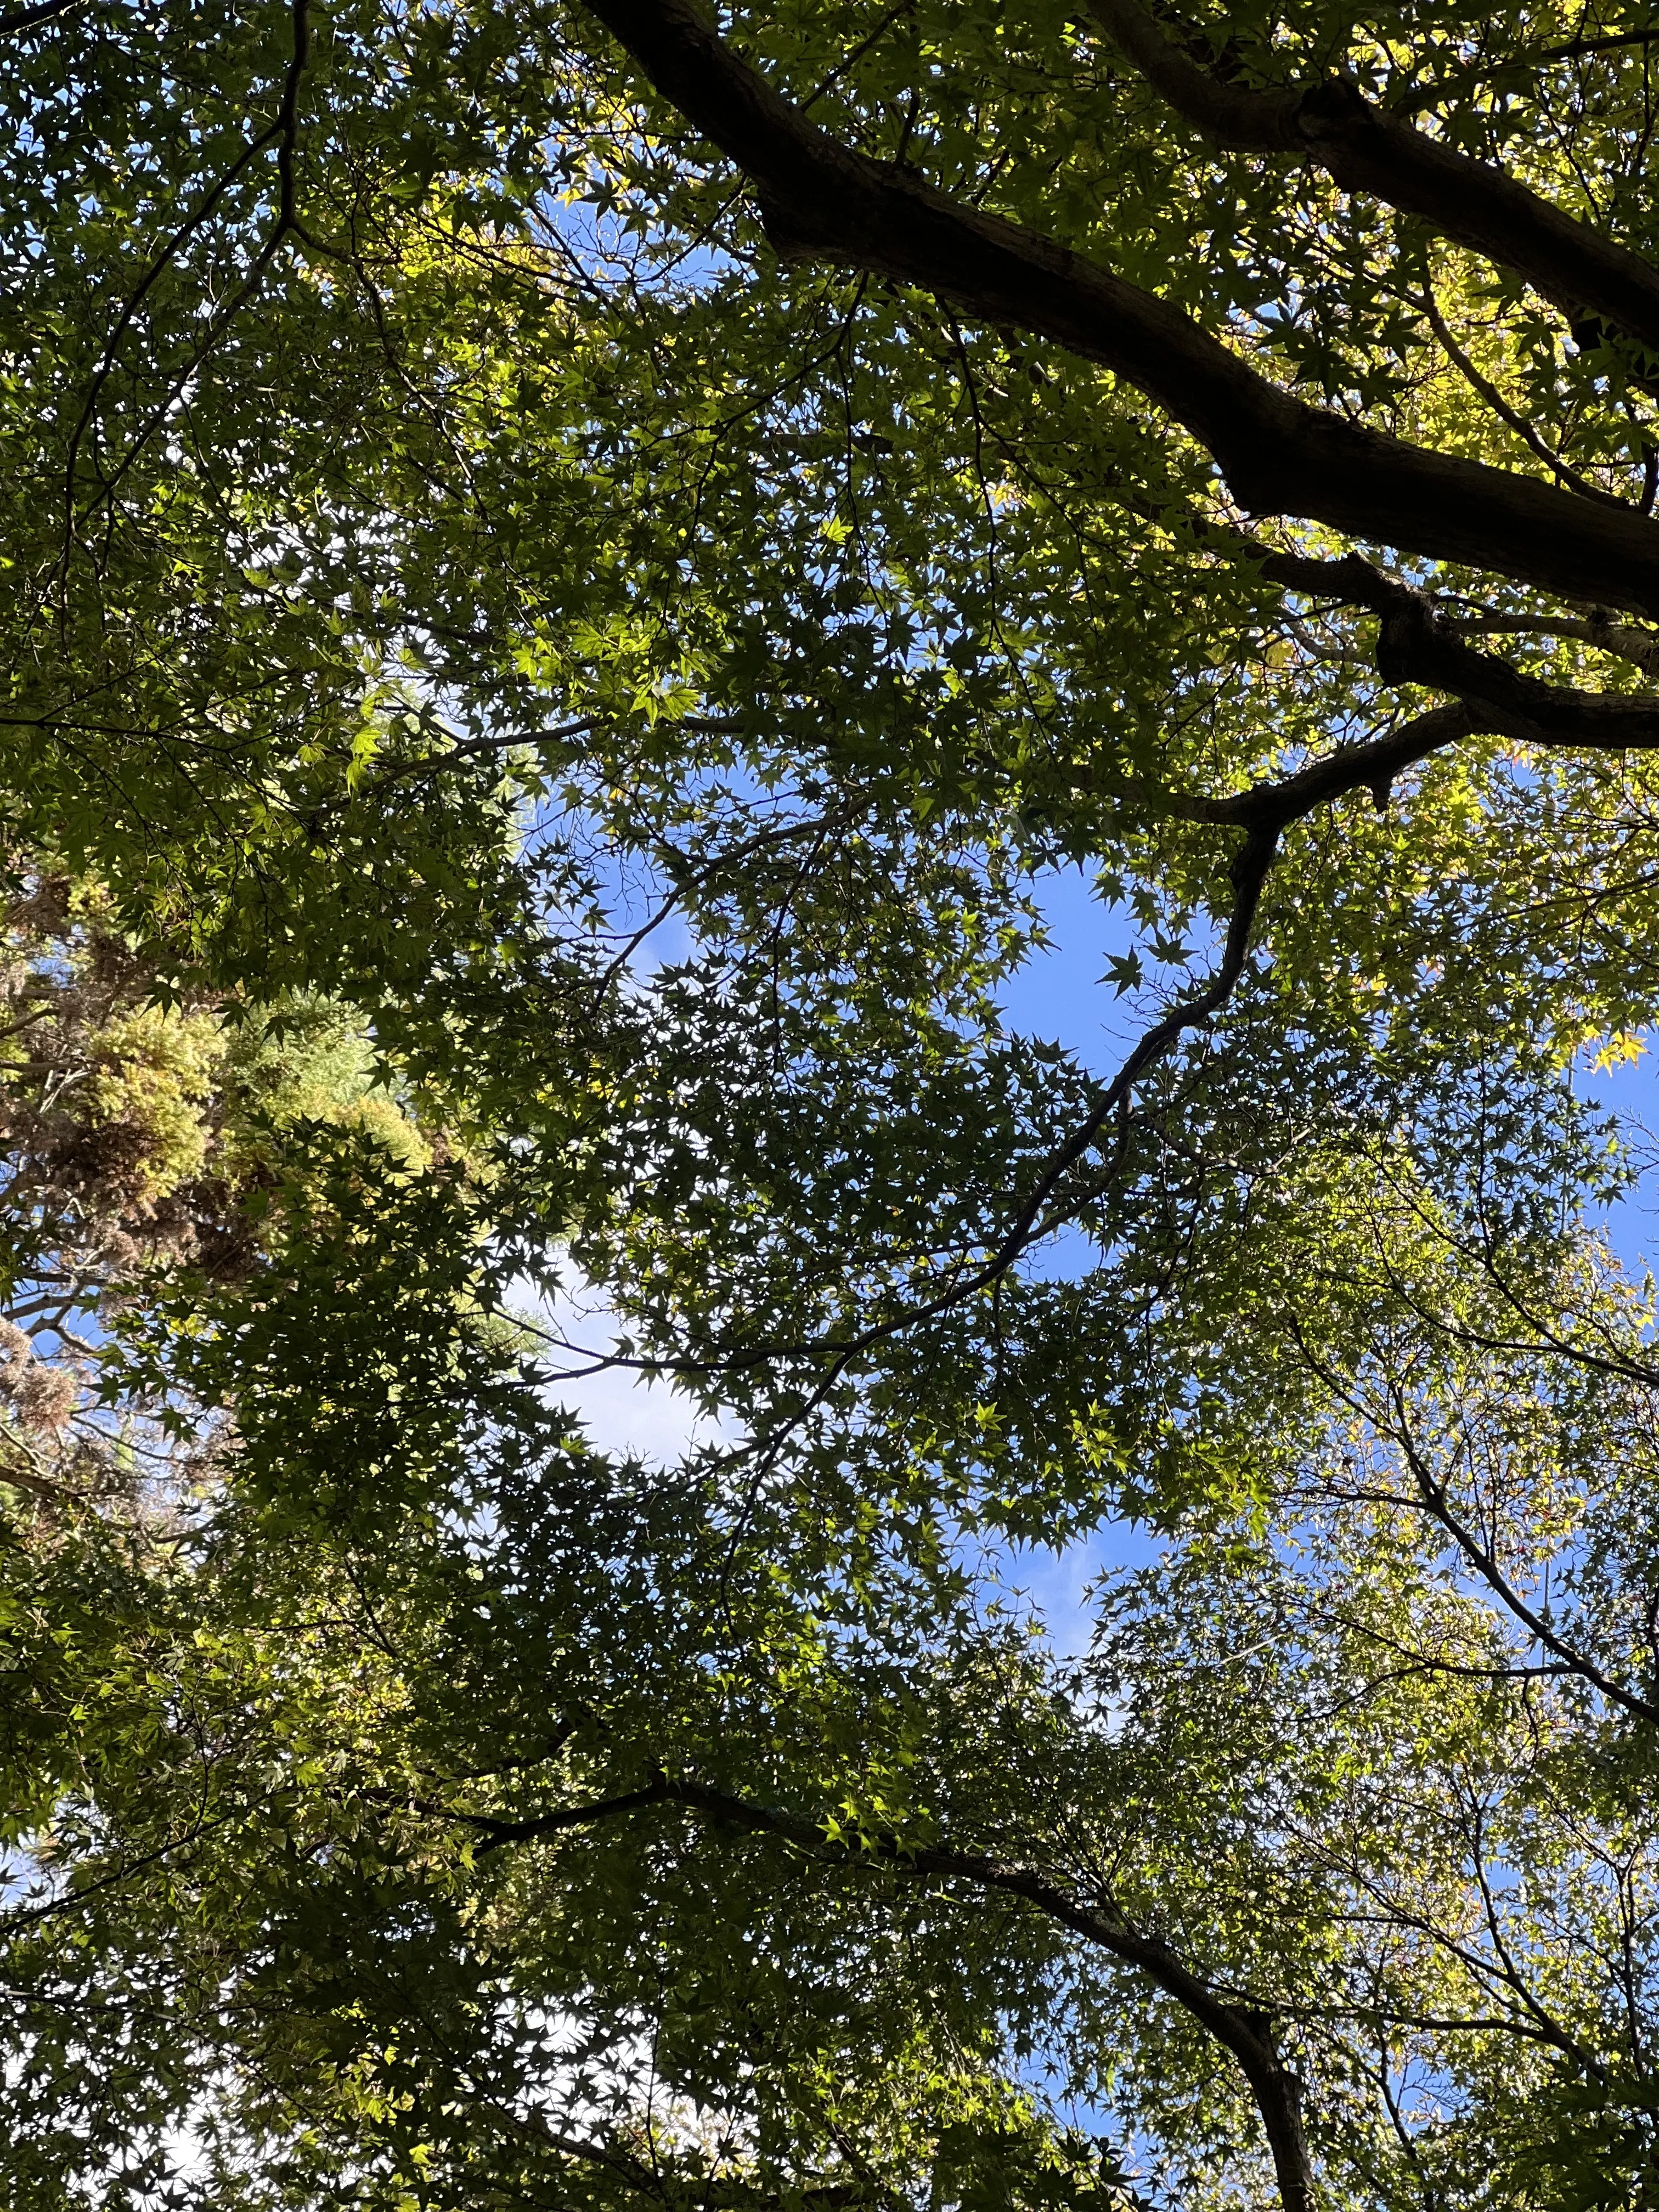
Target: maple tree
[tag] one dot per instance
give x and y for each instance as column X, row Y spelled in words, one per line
column 575, row 572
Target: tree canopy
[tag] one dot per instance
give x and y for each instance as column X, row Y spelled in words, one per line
column 575, row 574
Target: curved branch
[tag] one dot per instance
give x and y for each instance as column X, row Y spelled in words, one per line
column 1482, row 1558
column 1239, row 2029
column 157, row 269
column 1512, row 420
column 284, row 134
column 693, row 2191
column 1269, row 809
column 1639, row 646
column 1366, row 149
column 1248, row 872
column 1417, row 645
column 1413, row 647
column 1279, row 455
column 1432, row 1499
column 28, row 19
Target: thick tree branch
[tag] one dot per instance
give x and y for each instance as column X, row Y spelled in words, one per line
column 1240, row 2030
column 1269, row 809
column 1639, row 646
column 1616, row 42
column 1366, row 149
column 1280, row 455
column 1413, row 647
column 13, row 19
column 1417, row 645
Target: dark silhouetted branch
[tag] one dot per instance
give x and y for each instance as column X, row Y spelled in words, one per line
column 1239, row 2029
column 1279, row 455
column 1365, row 150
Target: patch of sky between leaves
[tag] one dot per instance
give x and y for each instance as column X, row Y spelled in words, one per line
column 593, row 231
column 1059, row 995
column 1629, row 1091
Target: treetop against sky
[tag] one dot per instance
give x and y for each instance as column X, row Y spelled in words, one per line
column 577, row 575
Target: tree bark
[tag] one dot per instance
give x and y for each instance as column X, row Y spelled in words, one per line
column 1239, row 2029
column 1332, row 125
column 1279, row 455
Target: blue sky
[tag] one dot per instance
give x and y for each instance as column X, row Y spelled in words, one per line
column 1059, row 995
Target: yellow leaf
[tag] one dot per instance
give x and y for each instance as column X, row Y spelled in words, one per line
column 1619, row 1051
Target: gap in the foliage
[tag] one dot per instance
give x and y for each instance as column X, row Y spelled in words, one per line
column 624, row 1413
column 1058, row 1584
column 1061, row 994
column 1629, row 1090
